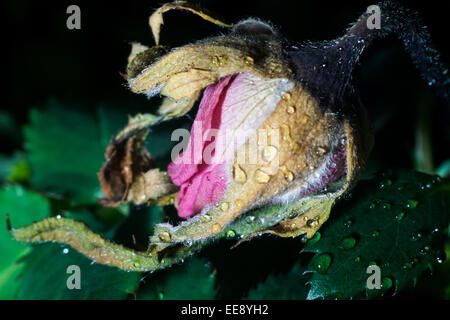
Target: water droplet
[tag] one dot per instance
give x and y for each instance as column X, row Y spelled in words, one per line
column 216, row 228
column 65, row 251
column 386, row 283
column 348, row 223
column 285, row 132
column 319, row 150
column 161, row 295
column 358, row 259
column 375, row 234
column 339, row 296
column 348, row 243
column 137, row 264
column 386, row 205
column 289, row 176
column 239, row 203
column 312, row 223
column 230, row 234
column 287, row 96
column 249, row 60
column 372, row 205
column 400, row 216
column 58, row 216
column 269, row 153
column 441, row 258
column 385, row 183
column 315, row 238
column 164, row 236
column 411, row 204
column 238, row 174
column 224, row 206
column 290, row 109
column 261, row 176
column 205, row 218
column 425, row 250
column 416, row 236
column 322, row 262
column 407, row 266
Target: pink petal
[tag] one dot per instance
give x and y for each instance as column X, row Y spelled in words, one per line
column 201, row 183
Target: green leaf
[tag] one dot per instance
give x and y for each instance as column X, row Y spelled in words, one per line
column 395, row 221
column 45, row 276
column 14, row 168
column 285, row 286
column 66, row 149
column 23, row 207
column 194, row 279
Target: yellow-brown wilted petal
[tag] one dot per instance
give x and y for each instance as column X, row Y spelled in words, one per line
column 150, row 185
column 183, row 84
column 141, row 57
column 156, row 19
column 220, row 57
column 171, row 108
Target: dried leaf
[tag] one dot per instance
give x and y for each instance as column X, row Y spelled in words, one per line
column 125, row 160
column 84, row 240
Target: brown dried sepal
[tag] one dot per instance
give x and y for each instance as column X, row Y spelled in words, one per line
column 128, row 175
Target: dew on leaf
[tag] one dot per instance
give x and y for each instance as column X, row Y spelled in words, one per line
column 230, row 234
column 386, row 205
column 385, row 183
column 407, row 266
column 348, row 223
column 400, row 216
column 425, row 250
column 441, row 258
column 322, row 262
column 348, row 243
column 416, row 236
column 315, row 238
column 411, row 204
column 386, row 283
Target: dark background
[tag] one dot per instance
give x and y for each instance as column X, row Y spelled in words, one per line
column 48, row 60
column 82, row 68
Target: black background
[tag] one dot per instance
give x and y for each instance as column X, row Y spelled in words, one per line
column 45, row 59
column 48, row 60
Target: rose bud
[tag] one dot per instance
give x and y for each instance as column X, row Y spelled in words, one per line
column 261, row 136
column 279, row 125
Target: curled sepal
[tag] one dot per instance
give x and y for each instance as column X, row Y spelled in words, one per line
column 156, row 19
column 84, row 240
column 315, row 211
